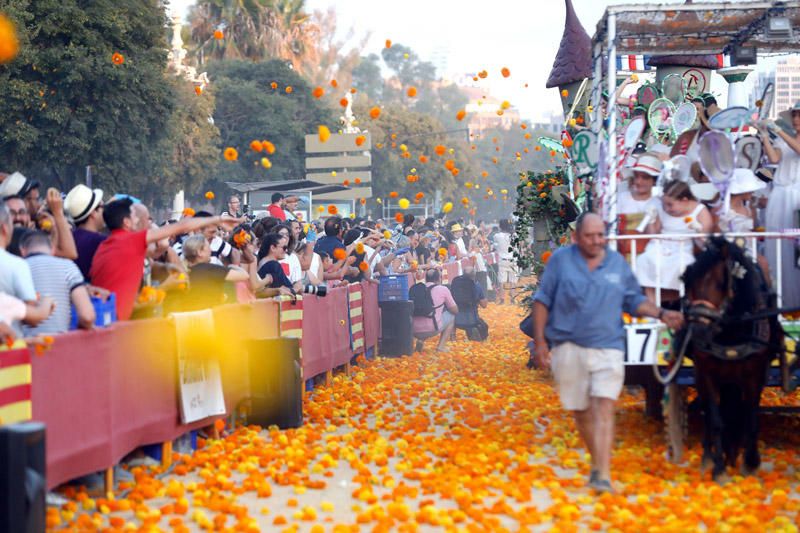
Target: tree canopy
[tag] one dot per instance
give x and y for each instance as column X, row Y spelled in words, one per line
column 66, row 104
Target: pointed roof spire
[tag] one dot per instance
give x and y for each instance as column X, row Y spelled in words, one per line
column 699, row 61
column 574, row 59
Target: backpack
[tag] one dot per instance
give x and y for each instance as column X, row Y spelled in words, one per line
column 463, row 290
column 420, row 294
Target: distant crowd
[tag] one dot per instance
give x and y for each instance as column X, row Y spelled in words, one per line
column 62, row 256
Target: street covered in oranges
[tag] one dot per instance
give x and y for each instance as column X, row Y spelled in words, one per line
column 463, row 441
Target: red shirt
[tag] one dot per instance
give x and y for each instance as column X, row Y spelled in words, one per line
column 118, row 266
column 276, row 211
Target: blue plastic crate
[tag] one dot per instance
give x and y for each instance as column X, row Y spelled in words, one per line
column 106, row 312
column 393, row 287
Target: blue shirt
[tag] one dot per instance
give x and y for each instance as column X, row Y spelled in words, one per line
column 586, row 307
column 328, row 244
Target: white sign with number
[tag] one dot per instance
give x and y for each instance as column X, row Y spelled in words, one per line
column 642, row 340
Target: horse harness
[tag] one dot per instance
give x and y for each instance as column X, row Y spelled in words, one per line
column 706, row 321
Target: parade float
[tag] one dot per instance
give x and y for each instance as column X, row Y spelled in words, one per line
column 682, row 45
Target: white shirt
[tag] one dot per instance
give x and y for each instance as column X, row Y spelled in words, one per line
column 788, row 171
column 627, row 204
column 502, row 245
column 219, row 250
column 295, row 270
column 462, row 249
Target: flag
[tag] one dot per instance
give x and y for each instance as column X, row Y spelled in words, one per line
column 15, row 384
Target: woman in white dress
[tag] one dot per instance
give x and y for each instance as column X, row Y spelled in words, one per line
column 784, row 202
column 663, row 261
column 634, row 204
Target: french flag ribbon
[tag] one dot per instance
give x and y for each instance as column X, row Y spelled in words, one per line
column 634, row 63
column 723, row 61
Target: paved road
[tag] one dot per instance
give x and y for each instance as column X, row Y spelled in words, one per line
column 464, row 441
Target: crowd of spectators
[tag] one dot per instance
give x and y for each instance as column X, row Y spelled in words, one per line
column 63, row 256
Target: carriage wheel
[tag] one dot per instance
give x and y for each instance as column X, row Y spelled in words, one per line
column 676, row 422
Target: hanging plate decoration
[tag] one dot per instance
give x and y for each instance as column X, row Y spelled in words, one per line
column 659, row 116
column 673, row 88
column 647, row 94
column 717, row 158
column 633, row 132
column 583, row 151
column 731, row 118
column 748, row 150
column 766, row 101
column 684, row 117
column 551, row 144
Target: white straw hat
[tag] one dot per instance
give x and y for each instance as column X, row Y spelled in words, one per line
column 744, row 181
column 646, row 163
column 81, row 201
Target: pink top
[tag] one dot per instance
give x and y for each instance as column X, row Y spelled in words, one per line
column 11, row 309
column 442, row 299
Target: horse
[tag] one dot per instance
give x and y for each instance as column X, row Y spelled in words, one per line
column 731, row 351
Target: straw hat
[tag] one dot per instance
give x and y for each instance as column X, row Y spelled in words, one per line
column 15, row 185
column 745, row 181
column 646, row 163
column 456, row 227
column 787, row 115
column 81, row 201
column 703, row 191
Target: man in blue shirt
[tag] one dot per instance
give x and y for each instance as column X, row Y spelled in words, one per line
column 577, row 312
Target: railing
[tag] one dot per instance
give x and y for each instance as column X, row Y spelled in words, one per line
column 686, row 240
column 106, row 392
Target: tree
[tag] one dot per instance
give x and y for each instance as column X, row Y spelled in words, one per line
column 66, row 105
column 331, row 59
column 248, row 109
column 367, row 77
column 419, row 133
column 192, row 146
column 253, row 29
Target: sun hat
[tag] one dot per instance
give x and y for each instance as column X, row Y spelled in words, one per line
column 647, row 163
column 81, row 201
column 745, row 181
column 456, row 227
column 15, row 185
column 786, row 115
column 703, row 191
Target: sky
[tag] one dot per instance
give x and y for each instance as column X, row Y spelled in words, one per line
column 522, row 35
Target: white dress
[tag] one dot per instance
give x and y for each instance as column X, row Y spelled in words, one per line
column 675, row 255
column 782, row 213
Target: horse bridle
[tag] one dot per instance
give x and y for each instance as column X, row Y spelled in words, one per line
column 705, row 321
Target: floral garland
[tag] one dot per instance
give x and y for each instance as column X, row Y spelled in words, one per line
column 536, row 204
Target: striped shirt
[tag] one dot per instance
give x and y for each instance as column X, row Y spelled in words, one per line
column 57, row 278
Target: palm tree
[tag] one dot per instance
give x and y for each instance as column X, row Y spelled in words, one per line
column 253, row 29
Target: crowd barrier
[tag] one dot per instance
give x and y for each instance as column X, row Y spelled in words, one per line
column 106, row 392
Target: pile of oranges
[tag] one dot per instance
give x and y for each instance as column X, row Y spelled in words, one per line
column 462, row 441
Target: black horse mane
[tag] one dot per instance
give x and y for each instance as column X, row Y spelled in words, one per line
column 747, row 290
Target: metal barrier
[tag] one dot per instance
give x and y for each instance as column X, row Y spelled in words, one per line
column 751, row 241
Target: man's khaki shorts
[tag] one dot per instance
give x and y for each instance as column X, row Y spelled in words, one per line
column 581, row 373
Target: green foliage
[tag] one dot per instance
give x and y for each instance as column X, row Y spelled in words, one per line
column 537, row 208
column 64, row 103
column 192, row 144
column 248, row 109
column 390, row 169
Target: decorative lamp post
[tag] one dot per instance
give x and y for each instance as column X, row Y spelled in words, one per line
column 737, row 92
